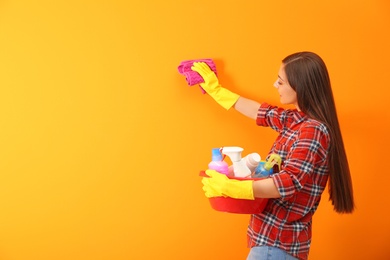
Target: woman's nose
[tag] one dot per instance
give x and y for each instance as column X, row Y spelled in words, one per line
column 276, row 84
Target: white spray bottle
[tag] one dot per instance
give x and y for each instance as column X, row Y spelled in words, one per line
column 239, row 166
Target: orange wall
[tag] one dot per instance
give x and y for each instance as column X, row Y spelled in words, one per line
column 102, row 140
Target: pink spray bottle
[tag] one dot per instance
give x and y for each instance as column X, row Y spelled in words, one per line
column 218, row 163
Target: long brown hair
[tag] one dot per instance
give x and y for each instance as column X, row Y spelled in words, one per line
column 307, row 74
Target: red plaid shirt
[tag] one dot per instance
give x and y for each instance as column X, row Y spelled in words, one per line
column 303, row 146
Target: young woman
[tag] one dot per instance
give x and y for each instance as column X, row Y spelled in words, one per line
column 312, row 151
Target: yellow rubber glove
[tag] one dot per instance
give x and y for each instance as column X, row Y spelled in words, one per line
column 218, row 185
column 211, row 85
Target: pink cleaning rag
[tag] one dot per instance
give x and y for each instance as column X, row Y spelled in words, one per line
column 193, row 77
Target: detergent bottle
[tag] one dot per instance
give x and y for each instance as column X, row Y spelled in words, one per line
column 252, row 160
column 266, row 168
column 218, row 163
column 240, row 168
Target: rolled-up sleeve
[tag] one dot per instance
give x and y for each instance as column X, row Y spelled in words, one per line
column 271, row 116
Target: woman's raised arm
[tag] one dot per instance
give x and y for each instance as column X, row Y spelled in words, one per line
column 247, row 107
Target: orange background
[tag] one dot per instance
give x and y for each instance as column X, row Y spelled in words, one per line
column 102, row 140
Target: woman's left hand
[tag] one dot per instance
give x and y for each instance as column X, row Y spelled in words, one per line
column 219, row 185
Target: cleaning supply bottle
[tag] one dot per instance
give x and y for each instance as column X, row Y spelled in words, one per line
column 266, row 168
column 218, row 163
column 252, row 160
column 240, row 168
column 261, row 171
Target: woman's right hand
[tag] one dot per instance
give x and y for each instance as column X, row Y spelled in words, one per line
column 211, row 85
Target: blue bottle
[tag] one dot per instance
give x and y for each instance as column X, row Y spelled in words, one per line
column 261, row 171
column 218, row 163
column 266, row 168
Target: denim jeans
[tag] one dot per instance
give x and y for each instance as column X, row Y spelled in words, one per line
column 268, row 253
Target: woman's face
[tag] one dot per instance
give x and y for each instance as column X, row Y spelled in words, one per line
column 286, row 93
